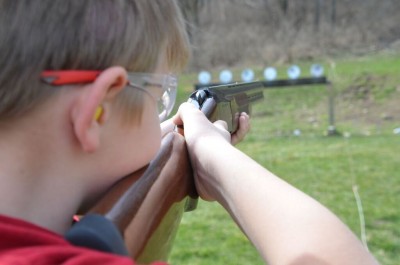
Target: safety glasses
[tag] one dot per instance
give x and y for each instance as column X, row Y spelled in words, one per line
column 161, row 87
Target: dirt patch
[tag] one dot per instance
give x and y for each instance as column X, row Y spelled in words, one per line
column 370, row 100
column 364, row 87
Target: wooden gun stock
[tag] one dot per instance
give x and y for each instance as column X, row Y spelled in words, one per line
column 147, row 205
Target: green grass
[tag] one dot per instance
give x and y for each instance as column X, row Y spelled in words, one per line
column 325, row 167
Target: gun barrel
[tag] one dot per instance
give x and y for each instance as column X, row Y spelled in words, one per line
column 228, row 91
column 229, row 101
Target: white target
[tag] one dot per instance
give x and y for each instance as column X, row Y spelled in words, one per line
column 247, row 75
column 316, row 70
column 225, row 76
column 294, row 72
column 204, row 77
column 270, row 73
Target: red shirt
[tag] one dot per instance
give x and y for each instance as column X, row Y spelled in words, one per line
column 24, row 243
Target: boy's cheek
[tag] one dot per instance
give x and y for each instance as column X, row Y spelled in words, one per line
column 149, row 145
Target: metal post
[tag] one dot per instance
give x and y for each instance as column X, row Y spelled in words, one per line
column 331, row 111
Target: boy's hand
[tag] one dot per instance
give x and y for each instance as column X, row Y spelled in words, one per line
column 243, row 121
column 209, row 146
column 197, row 126
column 167, row 126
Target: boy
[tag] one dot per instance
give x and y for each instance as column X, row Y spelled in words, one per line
column 73, row 121
column 66, row 136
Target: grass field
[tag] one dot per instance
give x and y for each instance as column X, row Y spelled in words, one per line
column 364, row 156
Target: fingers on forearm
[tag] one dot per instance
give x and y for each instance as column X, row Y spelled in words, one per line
column 243, row 129
column 244, row 121
column 167, row 126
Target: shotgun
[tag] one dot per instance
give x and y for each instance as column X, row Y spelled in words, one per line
column 147, row 206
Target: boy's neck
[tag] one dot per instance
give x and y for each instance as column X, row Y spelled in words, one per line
column 36, row 186
column 38, row 199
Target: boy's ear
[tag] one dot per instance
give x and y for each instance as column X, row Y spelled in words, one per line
column 95, row 98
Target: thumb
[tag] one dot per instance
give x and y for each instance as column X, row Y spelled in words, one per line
column 222, row 125
column 187, row 112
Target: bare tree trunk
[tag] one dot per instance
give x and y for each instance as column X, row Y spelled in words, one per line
column 317, row 17
column 285, row 6
column 333, row 14
column 190, row 10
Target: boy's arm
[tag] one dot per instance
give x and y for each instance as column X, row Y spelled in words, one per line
column 285, row 225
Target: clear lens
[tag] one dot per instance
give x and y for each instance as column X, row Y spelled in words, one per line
column 152, row 84
column 167, row 99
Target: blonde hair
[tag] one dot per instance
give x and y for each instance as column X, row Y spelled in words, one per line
column 83, row 35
